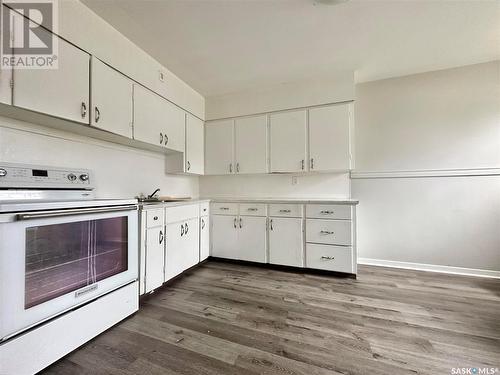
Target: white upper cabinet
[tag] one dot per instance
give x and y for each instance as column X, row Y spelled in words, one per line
column 288, row 141
column 156, row 121
column 111, row 99
column 61, row 92
column 219, row 149
column 195, row 145
column 329, row 138
column 250, row 134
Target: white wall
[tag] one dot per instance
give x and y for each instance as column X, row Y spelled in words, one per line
column 120, row 171
column 81, row 26
column 444, row 120
column 276, row 186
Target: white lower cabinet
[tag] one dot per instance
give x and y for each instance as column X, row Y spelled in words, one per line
column 204, row 237
column 155, row 258
column 286, row 241
column 182, row 250
column 224, row 236
column 251, row 243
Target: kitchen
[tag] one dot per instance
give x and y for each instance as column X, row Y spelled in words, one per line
column 315, row 205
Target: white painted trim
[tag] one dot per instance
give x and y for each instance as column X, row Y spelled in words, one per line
column 426, row 173
column 430, row 268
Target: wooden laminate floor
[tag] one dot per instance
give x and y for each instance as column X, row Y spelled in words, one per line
column 225, row 318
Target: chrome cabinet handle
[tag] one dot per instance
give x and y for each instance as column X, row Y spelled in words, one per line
column 327, row 258
column 234, row 223
column 230, row 167
column 286, row 211
column 202, row 224
column 186, row 228
column 241, row 226
column 326, row 232
column 224, row 208
column 182, row 230
column 253, row 209
column 97, row 114
column 161, row 138
column 302, row 164
column 84, row 110
column 237, row 167
column 166, row 139
column 189, row 165
column 160, row 237
column 155, row 218
column 326, row 212
column 312, row 163
column 271, row 224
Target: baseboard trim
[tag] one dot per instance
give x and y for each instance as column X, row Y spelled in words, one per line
column 431, row 268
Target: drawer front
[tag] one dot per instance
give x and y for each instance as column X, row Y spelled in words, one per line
column 224, row 208
column 154, row 218
column 252, row 209
column 204, row 209
column 285, row 210
column 328, row 257
column 328, row 211
column 334, row 232
column 181, row 213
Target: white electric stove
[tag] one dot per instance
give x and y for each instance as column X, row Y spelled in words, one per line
column 68, row 264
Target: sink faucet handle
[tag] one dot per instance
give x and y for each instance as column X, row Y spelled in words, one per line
column 154, row 192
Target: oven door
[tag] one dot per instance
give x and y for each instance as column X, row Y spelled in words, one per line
column 53, row 261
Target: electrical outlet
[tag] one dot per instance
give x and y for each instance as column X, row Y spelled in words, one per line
column 295, row 180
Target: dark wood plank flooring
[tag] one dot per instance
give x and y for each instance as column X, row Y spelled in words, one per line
column 223, row 318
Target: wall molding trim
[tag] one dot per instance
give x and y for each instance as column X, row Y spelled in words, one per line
column 426, row 173
column 431, row 268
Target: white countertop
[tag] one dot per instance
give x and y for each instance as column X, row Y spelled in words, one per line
column 149, row 205
column 289, row 200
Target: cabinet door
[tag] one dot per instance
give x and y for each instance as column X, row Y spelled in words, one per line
column 250, row 134
column 111, row 99
column 286, row 241
column 204, row 237
column 252, row 239
column 288, row 141
column 174, row 259
column 155, row 260
column 61, row 92
column 191, row 243
column 156, row 121
column 224, row 236
column 195, row 145
column 329, row 138
column 219, row 158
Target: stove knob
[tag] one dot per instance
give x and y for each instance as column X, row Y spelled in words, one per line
column 3, row 172
column 84, row 177
column 72, row 177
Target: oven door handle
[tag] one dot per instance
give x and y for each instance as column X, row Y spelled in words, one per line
column 72, row 212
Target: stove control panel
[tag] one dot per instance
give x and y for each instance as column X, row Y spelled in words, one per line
column 15, row 176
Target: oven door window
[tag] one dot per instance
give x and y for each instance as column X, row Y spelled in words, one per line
column 62, row 258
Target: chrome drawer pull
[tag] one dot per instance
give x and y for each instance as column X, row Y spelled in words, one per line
column 224, row 208
column 327, row 258
column 253, row 209
column 286, row 211
column 326, row 232
column 326, row 212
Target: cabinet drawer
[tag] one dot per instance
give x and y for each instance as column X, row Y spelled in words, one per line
column 204, row 208
column 224, row 208
column 181, row 213
column 328, row 257
column 285, row 210
column 334, row 232
column 154, row 218
column 328, row 211
column 252, row 209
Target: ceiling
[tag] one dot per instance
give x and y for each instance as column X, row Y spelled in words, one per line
column 224, row 46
